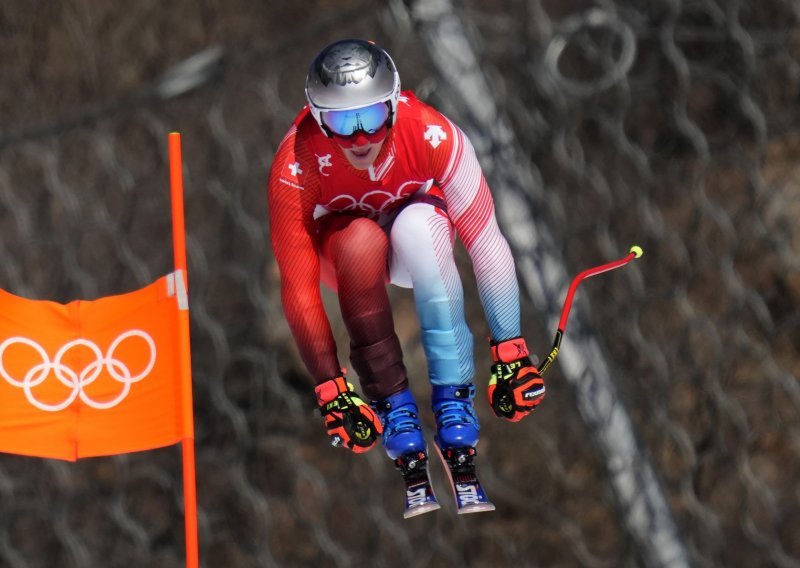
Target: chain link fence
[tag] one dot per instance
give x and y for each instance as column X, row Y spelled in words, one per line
column 673, row 125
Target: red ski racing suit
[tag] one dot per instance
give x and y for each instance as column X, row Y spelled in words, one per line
column 357, row 230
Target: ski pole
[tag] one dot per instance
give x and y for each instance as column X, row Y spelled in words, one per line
column 635, row 252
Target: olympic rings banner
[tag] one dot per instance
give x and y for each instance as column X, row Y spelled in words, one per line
column 92, row 378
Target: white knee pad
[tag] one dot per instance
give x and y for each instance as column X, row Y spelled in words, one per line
column 421, row 239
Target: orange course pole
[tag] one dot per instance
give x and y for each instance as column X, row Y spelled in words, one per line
column 176, row 188
column 187, row 444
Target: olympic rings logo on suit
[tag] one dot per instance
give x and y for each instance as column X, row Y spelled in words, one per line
column 75, row 381
column 376, row 201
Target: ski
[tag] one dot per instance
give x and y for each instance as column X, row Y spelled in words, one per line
column 419, row 492
column 467, row 489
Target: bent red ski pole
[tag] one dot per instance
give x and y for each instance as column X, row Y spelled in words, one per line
column 635, row 252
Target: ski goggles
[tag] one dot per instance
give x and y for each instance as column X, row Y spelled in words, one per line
column 346, row 123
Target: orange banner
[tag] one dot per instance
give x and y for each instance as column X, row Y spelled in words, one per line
column 93, row 378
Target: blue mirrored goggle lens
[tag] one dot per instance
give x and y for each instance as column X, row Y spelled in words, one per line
column 370, row 119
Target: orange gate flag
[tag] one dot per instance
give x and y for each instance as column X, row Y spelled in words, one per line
column 93, row 378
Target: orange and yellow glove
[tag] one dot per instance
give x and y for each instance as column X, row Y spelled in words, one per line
column 350, row 421
column 516, row 387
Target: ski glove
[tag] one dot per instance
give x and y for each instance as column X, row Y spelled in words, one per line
column 516, row 387
column 351, row 422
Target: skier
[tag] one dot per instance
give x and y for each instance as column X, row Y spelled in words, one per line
column 370, row 186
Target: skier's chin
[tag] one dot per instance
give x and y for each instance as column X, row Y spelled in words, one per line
column 362, row 157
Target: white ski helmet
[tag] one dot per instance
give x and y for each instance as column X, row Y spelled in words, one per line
column 351, row 74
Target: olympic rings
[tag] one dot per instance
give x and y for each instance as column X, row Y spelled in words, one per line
column 374, row 202
column 117, row 369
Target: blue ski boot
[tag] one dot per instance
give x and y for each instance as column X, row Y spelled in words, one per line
column 405, row 444
column 456, row 438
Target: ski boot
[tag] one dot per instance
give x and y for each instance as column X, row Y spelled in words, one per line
column 456, row 438
column 405, row 445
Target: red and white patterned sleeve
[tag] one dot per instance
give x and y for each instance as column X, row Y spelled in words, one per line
column 292, row 194
column 471, row 208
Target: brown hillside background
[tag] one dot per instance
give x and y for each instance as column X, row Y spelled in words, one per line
column 691, row 149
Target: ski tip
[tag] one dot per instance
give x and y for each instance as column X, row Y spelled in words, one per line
column 476, row 508
column 637, row 251
column 420, row 509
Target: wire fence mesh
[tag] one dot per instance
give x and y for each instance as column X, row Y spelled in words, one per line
column 671, row 125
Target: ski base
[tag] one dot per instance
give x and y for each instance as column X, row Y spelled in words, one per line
column 467, row 489
column 419, row 492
